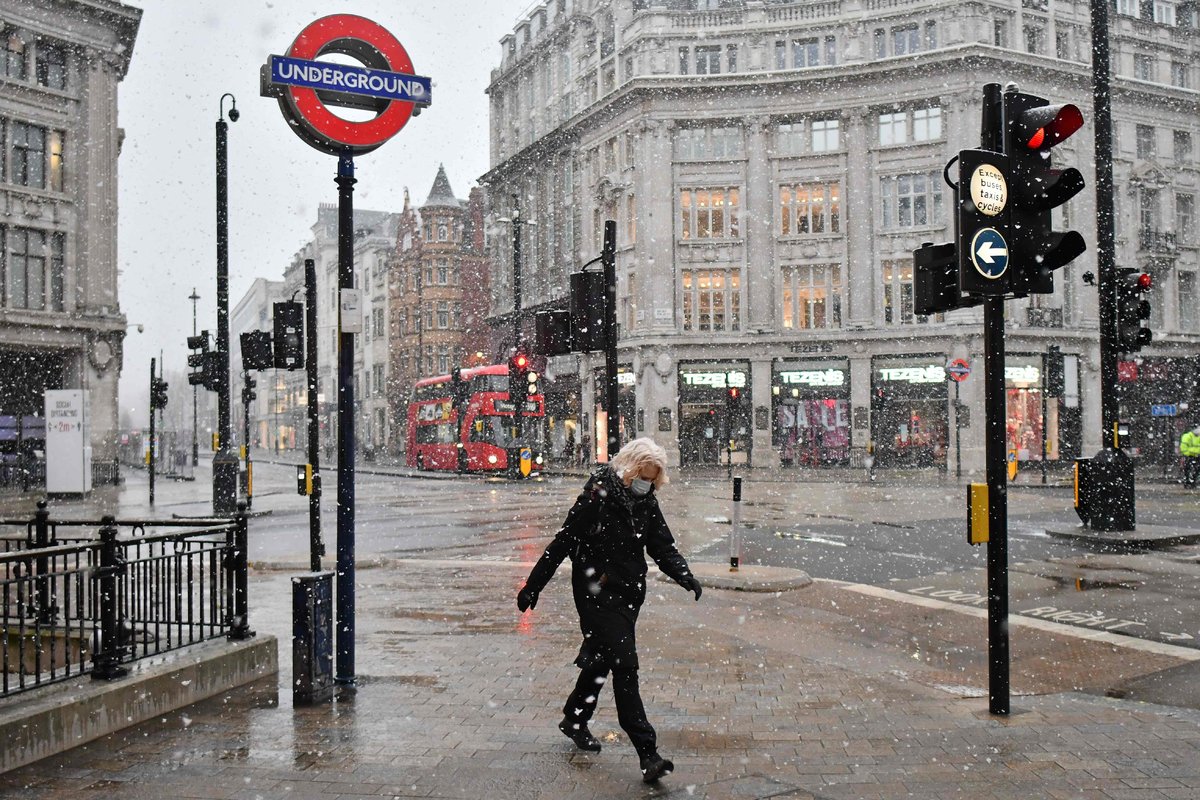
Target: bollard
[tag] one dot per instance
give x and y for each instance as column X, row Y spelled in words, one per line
column 735, row 531
column 238, row 565
column 106, row 660
column 312, row 638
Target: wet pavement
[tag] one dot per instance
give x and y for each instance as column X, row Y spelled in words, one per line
column 822, row 692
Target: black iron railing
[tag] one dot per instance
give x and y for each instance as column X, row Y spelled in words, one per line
column 80, row 596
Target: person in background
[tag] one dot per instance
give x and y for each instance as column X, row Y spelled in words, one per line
column 614, row 523
column 1189, row 448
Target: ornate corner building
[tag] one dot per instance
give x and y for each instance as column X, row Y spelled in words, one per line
column 61, row 325
column 772, row 166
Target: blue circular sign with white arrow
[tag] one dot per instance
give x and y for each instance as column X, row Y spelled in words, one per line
column 989, row 253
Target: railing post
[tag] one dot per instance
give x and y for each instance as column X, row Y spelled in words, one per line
column 237, row 564
column 106, row 660
column 47, row 603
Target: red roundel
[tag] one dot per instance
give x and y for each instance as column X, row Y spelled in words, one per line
column 363, row 39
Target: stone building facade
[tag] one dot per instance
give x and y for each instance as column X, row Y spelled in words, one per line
column 772, row 166
column 61, row 324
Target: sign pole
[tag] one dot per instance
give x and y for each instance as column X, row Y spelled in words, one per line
column 344, row 673
column 316, row 547
column 608, row 258
column 957, row 433
column 150, row 461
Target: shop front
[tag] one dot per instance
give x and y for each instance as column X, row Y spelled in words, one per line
column 1041, row 426
column 560, row 390
column 715, row 425
column 1157, row 404
column 811, row 408
column 909, row 412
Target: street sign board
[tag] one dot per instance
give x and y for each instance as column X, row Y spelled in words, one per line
column 1164, row 410
column 982, row 223
column 989, row 253
column 384, row 83
column 958, row 369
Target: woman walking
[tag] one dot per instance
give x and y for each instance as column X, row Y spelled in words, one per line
column 613, row 525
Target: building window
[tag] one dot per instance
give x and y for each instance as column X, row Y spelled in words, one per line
column 731, row 57
column 898, row 293
column 927, row 124
column 809, row 209
column 880, row 43
column 708, row 59
column 51, row 65
column 781, row 55
column 711, row 299
column 458, row 316
column 705, row 144
column 1143, row 67
column 825, row 135
column 443, row 359
column 443, row 272
column 1062, row 45
column 789, row 138
column 377, row 373
column 27, row 160
column 1145, row 141
column 58, row 271
column 683, row 61
column 1000, row 33
column 806, row 53
column 893, row 128
column 709, row 213
column 630, row 150
column 1183, row 146
column 631, row 220
column 443, row 315
column 1179, row 75
column 911, row 201
column 428, row 317
column 1035, row 39
column 931, row 37
column 812, row 297
column 1164, row 12
column 14, row 55
column 906, row 40
column 26, row 268
column 443, row 232
column 1185, row 218
column 1188, row 300
column 377, row 320
column 1148, row 213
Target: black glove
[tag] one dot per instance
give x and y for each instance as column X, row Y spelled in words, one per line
column 526, row 599
column 692, row 585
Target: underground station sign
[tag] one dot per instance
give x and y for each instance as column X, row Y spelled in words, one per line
column 306, row 87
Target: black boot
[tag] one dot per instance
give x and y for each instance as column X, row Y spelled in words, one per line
column 578, row 733
column 654, row 767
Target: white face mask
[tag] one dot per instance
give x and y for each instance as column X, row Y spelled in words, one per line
column 641, row 487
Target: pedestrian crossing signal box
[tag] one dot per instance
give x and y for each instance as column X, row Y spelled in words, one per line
column 304, row 479
column 977, row 513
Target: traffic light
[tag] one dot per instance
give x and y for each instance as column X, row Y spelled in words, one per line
column 587, row 311
column 304, row 479
column 248, row 393
column 552, row 336
column 1032, row 128
column 936, row 281
column 1132, row 310
column 1056, row 379
column 518, row 380
column 289, row 335
column 257, row 351
column 158, row 393
column 197, row 361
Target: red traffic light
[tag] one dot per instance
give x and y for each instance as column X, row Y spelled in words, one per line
column 1145, row 281
column 1046, row 126
column 734, row 392
column 1138, row 281
column 520, row 361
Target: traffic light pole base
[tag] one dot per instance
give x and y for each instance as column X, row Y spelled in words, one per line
column 225, row 484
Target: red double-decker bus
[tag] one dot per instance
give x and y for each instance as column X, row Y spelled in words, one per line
column 481, row 427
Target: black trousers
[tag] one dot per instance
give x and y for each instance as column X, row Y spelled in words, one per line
column 1191, row 468
column 581, row 704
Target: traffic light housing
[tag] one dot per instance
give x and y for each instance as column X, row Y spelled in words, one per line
column 198, row 360
column 289, row 335
column 1133, row 309
column 552, row 333
column 518, row 380
column 304, row 479
column 1032, row 128
column 248, row 393
column 256, row 350
column 936, row 280
column 587, row 298
column 158, row 393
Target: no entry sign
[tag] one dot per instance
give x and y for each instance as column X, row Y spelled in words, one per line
column 306, row 87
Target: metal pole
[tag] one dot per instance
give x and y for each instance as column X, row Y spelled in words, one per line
column 316, row 547
column 152, row 431
column 518, row 413
column 225, row 463
column 344, row 671
column 994, row 456
column 195, row 441
column 1105, row 235
column 735, row 530
column 246, row 436
column 608, row 257
column 1043, row 425
column 957, row 433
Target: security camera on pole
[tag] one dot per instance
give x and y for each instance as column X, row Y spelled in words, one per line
column 305, row 87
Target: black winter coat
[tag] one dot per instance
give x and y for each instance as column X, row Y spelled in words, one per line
column 607, row 534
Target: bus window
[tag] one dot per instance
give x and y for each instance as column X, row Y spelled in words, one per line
column 435, row 434
column 493, row 430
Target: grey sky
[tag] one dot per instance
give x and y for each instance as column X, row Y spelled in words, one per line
column 187, row 54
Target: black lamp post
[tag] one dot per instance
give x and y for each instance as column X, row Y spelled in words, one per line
column 225, row 462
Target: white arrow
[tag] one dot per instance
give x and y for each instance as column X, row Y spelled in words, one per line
column 1174, row 637
column 987, row 250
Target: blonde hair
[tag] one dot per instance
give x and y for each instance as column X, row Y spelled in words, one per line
column 641, row 453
